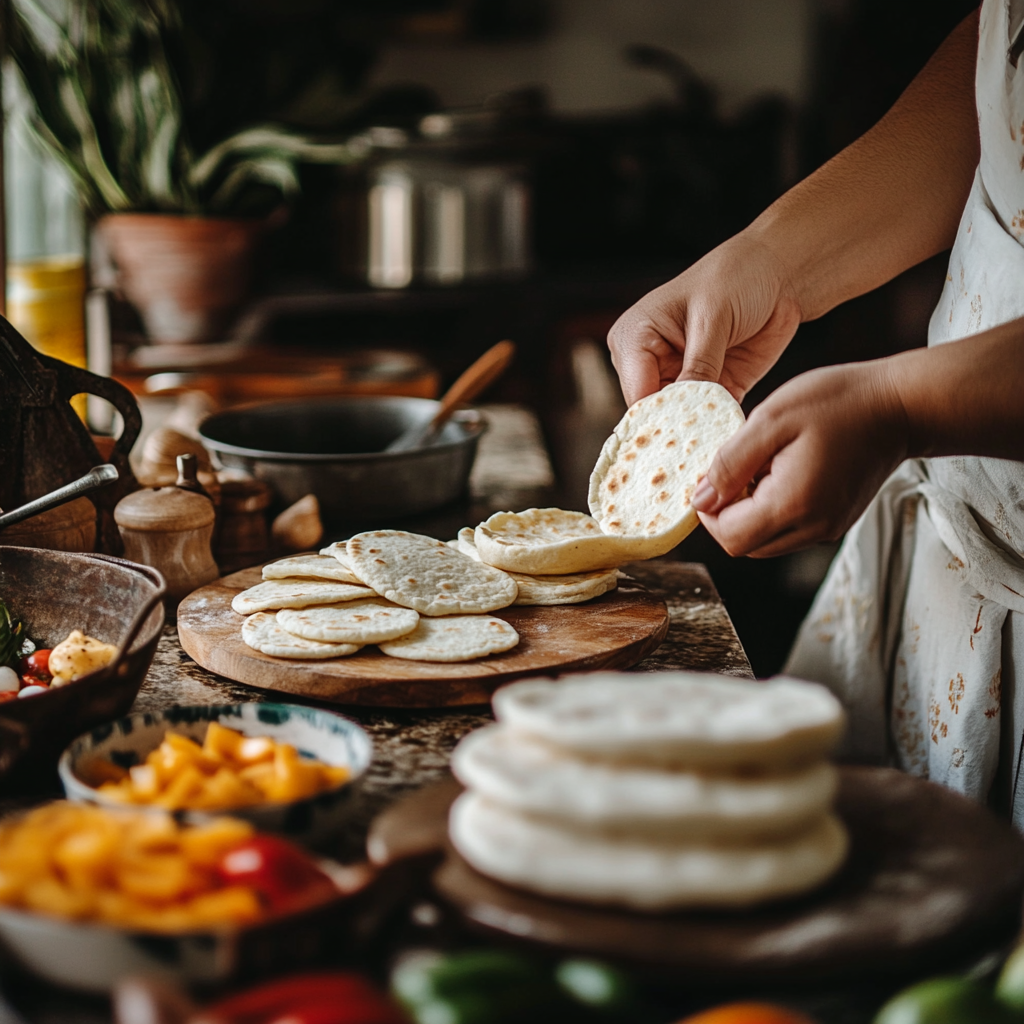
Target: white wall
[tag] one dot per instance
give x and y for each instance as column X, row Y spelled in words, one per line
column 742, row 46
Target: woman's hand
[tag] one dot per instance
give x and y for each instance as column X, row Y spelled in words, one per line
column 819, row 448
column 727, row 318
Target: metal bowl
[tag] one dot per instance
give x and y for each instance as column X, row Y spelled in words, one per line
column 54, row 592
column 333, row 448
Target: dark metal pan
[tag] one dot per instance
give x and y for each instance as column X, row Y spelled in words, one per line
column 334, row 448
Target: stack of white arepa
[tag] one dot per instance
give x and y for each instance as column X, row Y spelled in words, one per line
column 653, row 792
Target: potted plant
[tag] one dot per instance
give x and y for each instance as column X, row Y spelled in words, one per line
column 97, row 88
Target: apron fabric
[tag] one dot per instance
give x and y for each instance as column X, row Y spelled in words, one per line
column 919, row 624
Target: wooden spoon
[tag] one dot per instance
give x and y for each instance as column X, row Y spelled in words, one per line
column 484, row 372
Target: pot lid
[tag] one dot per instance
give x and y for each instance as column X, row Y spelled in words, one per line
column 164, row 509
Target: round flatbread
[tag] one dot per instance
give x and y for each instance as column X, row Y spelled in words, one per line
column 357, row 622
column 572, row 588
column 547, row 857
column 681, row 718
column 428, row 575
column 651, row 464
column 320, row 567
column 262, row 632
column 554, row 542
column 272, row 594
column 338, row 552
column 533, row 777
column 453, row 638
column 466, row 543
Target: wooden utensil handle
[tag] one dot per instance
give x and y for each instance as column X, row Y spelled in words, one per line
column 487, row 369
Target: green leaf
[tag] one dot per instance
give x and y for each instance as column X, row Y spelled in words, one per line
column 98, row 90
column 267, row 170
column 11, row 636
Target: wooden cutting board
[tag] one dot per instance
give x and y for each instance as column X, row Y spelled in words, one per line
column 932, row 881
column 615, row 630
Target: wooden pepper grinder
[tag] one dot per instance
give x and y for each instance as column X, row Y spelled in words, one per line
column 169, row 529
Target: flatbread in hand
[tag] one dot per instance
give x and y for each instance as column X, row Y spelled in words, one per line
column 453, row 638
column 262, row 633
column 682, row 718
column 358, row 622
column 320, row 567
column 571, row 588
column 546, row 856
column 295, row 593
column 651, row 464
column 428, row 575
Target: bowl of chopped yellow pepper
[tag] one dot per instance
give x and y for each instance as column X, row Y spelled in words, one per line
column 285, row 768
column 89, row 895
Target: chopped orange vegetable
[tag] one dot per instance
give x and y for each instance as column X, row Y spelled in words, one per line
column 228, row 770
column 139, row 870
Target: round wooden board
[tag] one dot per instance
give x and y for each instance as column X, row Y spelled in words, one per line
column 932, row 880
column 615, row 630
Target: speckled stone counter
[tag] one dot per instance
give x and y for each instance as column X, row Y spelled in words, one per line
column 411, row 748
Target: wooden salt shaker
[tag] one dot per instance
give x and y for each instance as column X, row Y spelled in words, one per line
column 169, row 529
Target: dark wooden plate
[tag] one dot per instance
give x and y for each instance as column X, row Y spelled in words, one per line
column 615, row 630
column 932, row 879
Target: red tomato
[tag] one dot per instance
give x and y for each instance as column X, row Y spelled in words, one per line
column 35, row 668
column 312, row 998
column 748, row 1013
column 280, row 872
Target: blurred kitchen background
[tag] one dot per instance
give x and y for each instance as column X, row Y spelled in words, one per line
column 388, row 187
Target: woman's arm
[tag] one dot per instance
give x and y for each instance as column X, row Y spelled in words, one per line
column 890, row 200
column 822, row 445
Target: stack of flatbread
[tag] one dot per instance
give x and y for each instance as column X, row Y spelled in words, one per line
column 653, row 792
column 414, row 597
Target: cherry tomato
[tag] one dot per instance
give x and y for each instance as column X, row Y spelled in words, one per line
column 280, row 872
column 748, row 1013
column 38, row 662
column 35, row 668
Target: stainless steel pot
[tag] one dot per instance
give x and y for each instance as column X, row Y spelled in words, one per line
column 447, row 205
column 333, row 448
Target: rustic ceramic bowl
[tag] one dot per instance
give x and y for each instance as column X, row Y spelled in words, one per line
column 327, row 737
column 54, row 592
column 94, row 957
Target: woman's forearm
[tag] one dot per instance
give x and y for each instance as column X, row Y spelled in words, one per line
column 962, row 398
column 891, row 199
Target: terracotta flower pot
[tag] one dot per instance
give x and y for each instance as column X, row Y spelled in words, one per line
column 185, row 275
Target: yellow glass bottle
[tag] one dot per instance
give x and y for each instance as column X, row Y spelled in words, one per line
column 46, row 303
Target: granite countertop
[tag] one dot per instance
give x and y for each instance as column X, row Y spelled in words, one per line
column 412, row 747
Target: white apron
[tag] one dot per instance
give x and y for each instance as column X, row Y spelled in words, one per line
column 920, row 622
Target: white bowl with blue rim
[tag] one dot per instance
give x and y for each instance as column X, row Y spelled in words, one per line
column 323, row 735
